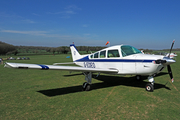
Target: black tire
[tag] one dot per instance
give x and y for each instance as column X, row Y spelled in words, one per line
column 149, row 87
column 86, row 86
column 138, row 77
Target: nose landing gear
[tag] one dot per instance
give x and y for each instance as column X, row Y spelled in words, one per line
column 150, row 86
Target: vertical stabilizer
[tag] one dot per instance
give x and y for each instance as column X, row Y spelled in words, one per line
column 75, row 53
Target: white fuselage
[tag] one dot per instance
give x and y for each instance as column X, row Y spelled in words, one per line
column 135, row 64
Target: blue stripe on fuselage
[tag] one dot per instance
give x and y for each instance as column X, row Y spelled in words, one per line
column 44, row 67
column 86, row 59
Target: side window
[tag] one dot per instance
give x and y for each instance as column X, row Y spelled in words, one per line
column 96, row 55
column 91, row 56
column 102, row 54
column 113, row 53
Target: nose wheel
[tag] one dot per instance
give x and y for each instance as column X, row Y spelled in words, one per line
column 149, row 87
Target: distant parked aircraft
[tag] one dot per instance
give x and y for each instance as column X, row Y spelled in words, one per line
column 171, row 55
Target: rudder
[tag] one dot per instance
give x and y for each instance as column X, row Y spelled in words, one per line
column 74, row 52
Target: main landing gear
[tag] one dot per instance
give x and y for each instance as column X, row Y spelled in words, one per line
column 88, row 77
column 86, row 86
column 138, row 77
column 150, row 86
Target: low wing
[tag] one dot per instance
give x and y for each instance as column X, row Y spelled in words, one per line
column 53, row 67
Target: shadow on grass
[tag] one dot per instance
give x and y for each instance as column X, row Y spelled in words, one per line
column 73, row 75
column 107, row 81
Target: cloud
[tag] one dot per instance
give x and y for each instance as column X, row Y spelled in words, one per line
column 67, row 12
column 16, row 18
column 28, row 21
column 70, row 7
column 47, row 38
column 35, row 14
column 3, row 14
column 37, row 33
column 85, row 25
column 25, row 32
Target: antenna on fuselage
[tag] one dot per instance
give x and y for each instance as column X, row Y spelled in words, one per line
column 90, row 51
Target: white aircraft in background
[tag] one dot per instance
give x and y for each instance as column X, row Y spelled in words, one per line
column 119, row 59
column 172, row 55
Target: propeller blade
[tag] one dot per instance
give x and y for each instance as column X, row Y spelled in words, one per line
column 170, row 72
column 171, row 48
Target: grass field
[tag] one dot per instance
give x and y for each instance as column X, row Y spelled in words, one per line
column 46, row 94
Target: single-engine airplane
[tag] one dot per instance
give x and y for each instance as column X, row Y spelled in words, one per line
column 119, row 59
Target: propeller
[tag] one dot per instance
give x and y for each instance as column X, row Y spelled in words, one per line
column 168, row 61
column 170, row 72
column 171, row 48
column 168, row 66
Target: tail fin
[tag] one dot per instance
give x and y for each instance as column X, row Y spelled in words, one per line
column 75, row 53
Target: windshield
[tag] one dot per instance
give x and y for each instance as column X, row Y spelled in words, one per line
column 129, row 50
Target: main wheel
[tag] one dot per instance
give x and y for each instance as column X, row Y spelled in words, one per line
column 149, row 87
column 86, row 86
column 138, row 77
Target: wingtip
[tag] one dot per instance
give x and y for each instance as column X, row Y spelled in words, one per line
column 7, row 65
column 10, row 65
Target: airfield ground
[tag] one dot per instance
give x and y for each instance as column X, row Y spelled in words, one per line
column 46, row 94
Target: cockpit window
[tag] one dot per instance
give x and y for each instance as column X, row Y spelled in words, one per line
column 129, row 50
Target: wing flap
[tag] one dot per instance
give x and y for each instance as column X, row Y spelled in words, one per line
column 64, row 63
column 53, row 67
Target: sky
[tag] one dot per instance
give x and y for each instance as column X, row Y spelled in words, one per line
column 148, row 24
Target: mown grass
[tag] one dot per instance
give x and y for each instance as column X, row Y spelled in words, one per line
column 46, row 94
